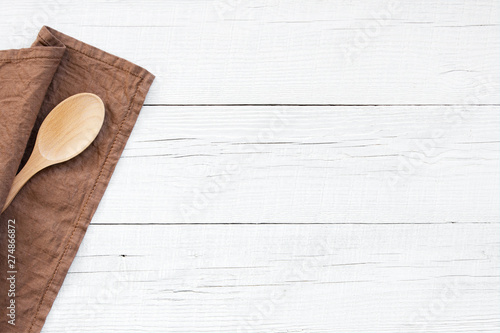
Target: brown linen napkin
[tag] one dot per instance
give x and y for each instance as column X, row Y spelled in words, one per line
column 52, row 211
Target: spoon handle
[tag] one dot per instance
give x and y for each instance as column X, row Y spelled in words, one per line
column 34, row 164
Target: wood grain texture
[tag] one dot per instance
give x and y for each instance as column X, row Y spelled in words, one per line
column 299, row 52
column 365, row 201
column 308, row 165
column 66, row 131
column 282, row 278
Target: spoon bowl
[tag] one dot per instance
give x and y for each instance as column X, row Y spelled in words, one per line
column 70, row 127
column 66, row 132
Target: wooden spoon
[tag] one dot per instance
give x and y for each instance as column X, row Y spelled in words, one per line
column 67, row 131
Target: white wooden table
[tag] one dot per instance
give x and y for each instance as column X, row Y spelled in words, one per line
column 300, row 166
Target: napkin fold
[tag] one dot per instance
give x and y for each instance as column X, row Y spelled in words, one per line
column 51, row 213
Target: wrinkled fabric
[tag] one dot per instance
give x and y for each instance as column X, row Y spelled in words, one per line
column 53, row 210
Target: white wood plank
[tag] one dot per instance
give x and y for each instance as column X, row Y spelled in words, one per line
column 243, row 278
column 388, row 181
column 308, row 165
column 271, row 51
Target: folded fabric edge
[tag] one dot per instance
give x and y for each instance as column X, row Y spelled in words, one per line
column 31, row 53
column 51, row 37
column 27, row 106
